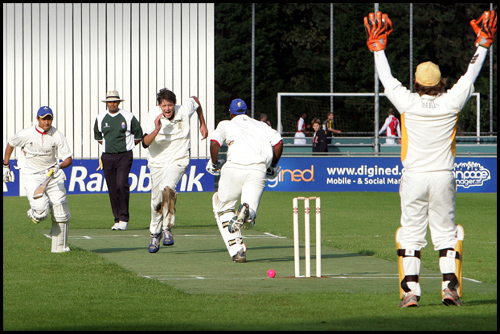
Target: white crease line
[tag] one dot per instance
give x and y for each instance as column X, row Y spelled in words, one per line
column 104, row 236
column 274, row 236
column 265, row 236
column 166, row 278
column 391, row 277
column 472, row 280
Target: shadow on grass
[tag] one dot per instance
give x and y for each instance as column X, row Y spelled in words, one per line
column 407, row 320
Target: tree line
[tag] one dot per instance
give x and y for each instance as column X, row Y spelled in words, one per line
column 292, row 54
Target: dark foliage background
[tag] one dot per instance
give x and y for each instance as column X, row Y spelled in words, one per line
column 292, row 54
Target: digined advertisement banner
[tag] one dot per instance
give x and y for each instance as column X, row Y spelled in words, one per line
column 373, row 174
column 297, row 174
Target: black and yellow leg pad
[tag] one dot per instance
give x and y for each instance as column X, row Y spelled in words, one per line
column 402, row 253
column 400, row 265
column 457, row 253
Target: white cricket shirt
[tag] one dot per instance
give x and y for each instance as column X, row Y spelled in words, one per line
column 173, row 141
column 250, row 142
column 40, row 149
column 429, row 124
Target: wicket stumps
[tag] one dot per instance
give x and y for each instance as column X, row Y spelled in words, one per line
column 307, row 236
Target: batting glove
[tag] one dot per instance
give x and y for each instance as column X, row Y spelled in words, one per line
column 214, row 169
column 378, row 26
column 485, row 28
column 273, row 172
column 8, row 176
column 55, row 168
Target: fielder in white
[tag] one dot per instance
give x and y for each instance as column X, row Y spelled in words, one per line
column 40, row 144
column 253, row 153
column 428, row 188
column 168, row 141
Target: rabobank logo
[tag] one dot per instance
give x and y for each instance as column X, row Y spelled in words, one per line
column 470, row 174
column 293, row 175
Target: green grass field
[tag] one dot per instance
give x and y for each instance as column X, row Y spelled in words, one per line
column 109, row 281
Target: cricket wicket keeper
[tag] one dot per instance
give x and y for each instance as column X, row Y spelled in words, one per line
column 428, row 188
column 39, row 145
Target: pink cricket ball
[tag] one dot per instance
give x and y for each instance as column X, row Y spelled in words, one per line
column 271, row 273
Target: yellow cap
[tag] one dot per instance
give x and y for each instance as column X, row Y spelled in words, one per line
column 428, row 74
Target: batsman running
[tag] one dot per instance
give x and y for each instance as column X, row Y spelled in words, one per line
column 428, row 188
column 254, row 150
column 39, row 145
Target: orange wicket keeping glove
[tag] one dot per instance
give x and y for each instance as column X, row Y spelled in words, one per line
column 378, row 26
column 485, row 28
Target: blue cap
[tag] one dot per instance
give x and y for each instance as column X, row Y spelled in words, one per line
column 238, row 107
column 44, row 111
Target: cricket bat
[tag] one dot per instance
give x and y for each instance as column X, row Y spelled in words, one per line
column 41, row 188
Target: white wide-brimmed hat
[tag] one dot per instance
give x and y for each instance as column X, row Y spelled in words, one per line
column 112, row 96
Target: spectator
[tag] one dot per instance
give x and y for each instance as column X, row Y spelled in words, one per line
column 328, row 127
column 319, row 142
column 300, row 135
column 263, row 118
column 392, row 128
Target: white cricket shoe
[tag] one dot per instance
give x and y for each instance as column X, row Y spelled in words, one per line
column 122, row 226
column 115, row 227
column 64, row 250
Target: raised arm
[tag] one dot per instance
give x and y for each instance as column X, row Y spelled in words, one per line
column 485, row 29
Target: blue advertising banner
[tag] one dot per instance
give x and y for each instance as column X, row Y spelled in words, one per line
column 380, row 174
column 373, row 174
column 82, row 178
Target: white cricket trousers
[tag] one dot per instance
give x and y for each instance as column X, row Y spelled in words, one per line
column 428, row 199
column 54, row 200
column 55, row 193
column 390, row 140
column 235, row 184
column 162, row 177
column 246, row 185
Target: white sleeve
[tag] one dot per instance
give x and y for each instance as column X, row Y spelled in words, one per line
column 150, row 126
column 16, row 140
column 476, row 64
column 300, row 124
column 64, row 150
column 274, row 136
column 386, row 124
column 219, row 134
column 383, row 68
column 191, row 105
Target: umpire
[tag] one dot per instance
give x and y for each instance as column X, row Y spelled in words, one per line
column 118, row 131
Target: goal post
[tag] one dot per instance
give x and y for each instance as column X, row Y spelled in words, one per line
column 360, row 98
